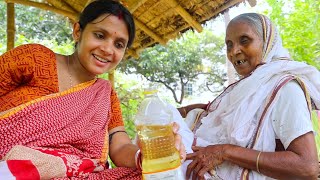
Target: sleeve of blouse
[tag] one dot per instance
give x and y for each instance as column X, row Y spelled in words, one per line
column 291, row 117
column 116, row 113
column 16, row 67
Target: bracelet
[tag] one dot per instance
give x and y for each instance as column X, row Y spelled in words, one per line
column 138, row 160
column 257, row 162
column 185, row 112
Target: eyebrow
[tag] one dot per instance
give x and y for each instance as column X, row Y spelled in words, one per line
column 107, row 32
column 245, row 34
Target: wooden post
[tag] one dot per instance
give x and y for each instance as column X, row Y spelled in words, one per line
column 72, row 15
column 185, row 15
column 111, row 77
column 230, row 69
column 10, row 26
column 252, row 2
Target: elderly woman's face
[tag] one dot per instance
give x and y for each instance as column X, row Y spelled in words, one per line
column 244, row 47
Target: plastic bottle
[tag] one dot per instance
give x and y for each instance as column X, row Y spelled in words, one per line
column 161, row 160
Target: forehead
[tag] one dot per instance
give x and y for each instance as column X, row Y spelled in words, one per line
column 240, row 28
column 111, row 24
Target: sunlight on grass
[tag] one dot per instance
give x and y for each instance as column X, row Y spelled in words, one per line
column 315, row 123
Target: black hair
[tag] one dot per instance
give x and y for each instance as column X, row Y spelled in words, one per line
column 99, row 7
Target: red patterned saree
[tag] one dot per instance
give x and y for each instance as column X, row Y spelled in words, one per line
column 60, row 136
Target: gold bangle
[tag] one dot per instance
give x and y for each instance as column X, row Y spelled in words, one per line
column 185, row 112
column 257, row 162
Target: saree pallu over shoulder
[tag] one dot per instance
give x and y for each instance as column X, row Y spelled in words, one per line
column 61, row 136
column 230, row 122
column 270, row 100
column 74, row 121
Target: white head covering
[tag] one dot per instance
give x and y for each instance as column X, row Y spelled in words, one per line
column 230, row 122
column 273, row 49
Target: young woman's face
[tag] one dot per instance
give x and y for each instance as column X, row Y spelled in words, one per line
column 101, row 44
column 244, row 47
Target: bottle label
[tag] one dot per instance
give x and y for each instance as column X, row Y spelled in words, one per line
column 173, row 174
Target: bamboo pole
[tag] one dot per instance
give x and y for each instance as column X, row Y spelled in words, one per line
column 133, row 53
column 149, row 32
column 161, row 16
column 231, row 74
column 252, row 2
column 136, row 5
column 222, row 8
column 71, row 15
column 88, row 2
column 215, row 13
column 185, row 15
column 62, row 5
column 111, row 77
column 175, row 33
column 10, row 26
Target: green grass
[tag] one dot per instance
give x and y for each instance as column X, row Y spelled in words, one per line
column 315, row 123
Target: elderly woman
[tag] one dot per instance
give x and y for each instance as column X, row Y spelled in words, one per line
column 260, row 126
column 57, row 119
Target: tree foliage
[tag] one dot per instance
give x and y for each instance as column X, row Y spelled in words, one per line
column 180, row 62
column 130, row 95
column 35, row 23
column 299, row 26
column 3, row 23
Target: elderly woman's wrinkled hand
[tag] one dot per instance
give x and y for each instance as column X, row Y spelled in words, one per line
column 178, row 142
column 204, row 159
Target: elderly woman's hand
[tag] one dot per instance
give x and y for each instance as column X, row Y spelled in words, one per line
column 204, row 159
column 178, row 142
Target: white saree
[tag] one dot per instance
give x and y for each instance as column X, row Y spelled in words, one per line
column 235, row 114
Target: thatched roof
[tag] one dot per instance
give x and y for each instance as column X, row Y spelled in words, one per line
column 157, row 21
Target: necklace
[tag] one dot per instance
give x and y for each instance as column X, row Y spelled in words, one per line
column 70, row 79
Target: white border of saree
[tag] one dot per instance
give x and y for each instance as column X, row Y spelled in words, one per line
column 285, row 80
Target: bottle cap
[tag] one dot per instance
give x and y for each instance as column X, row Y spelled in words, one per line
column 147, row 92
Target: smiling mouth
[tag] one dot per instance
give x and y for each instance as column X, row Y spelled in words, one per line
column 101, row 59
column 239, row 62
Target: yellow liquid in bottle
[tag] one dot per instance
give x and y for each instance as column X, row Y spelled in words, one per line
column 158, row 149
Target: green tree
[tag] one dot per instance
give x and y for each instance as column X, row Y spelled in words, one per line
column 35, row 23
column 299, row 26
column 3, row 23
column 130, row 95
column 180, row 62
